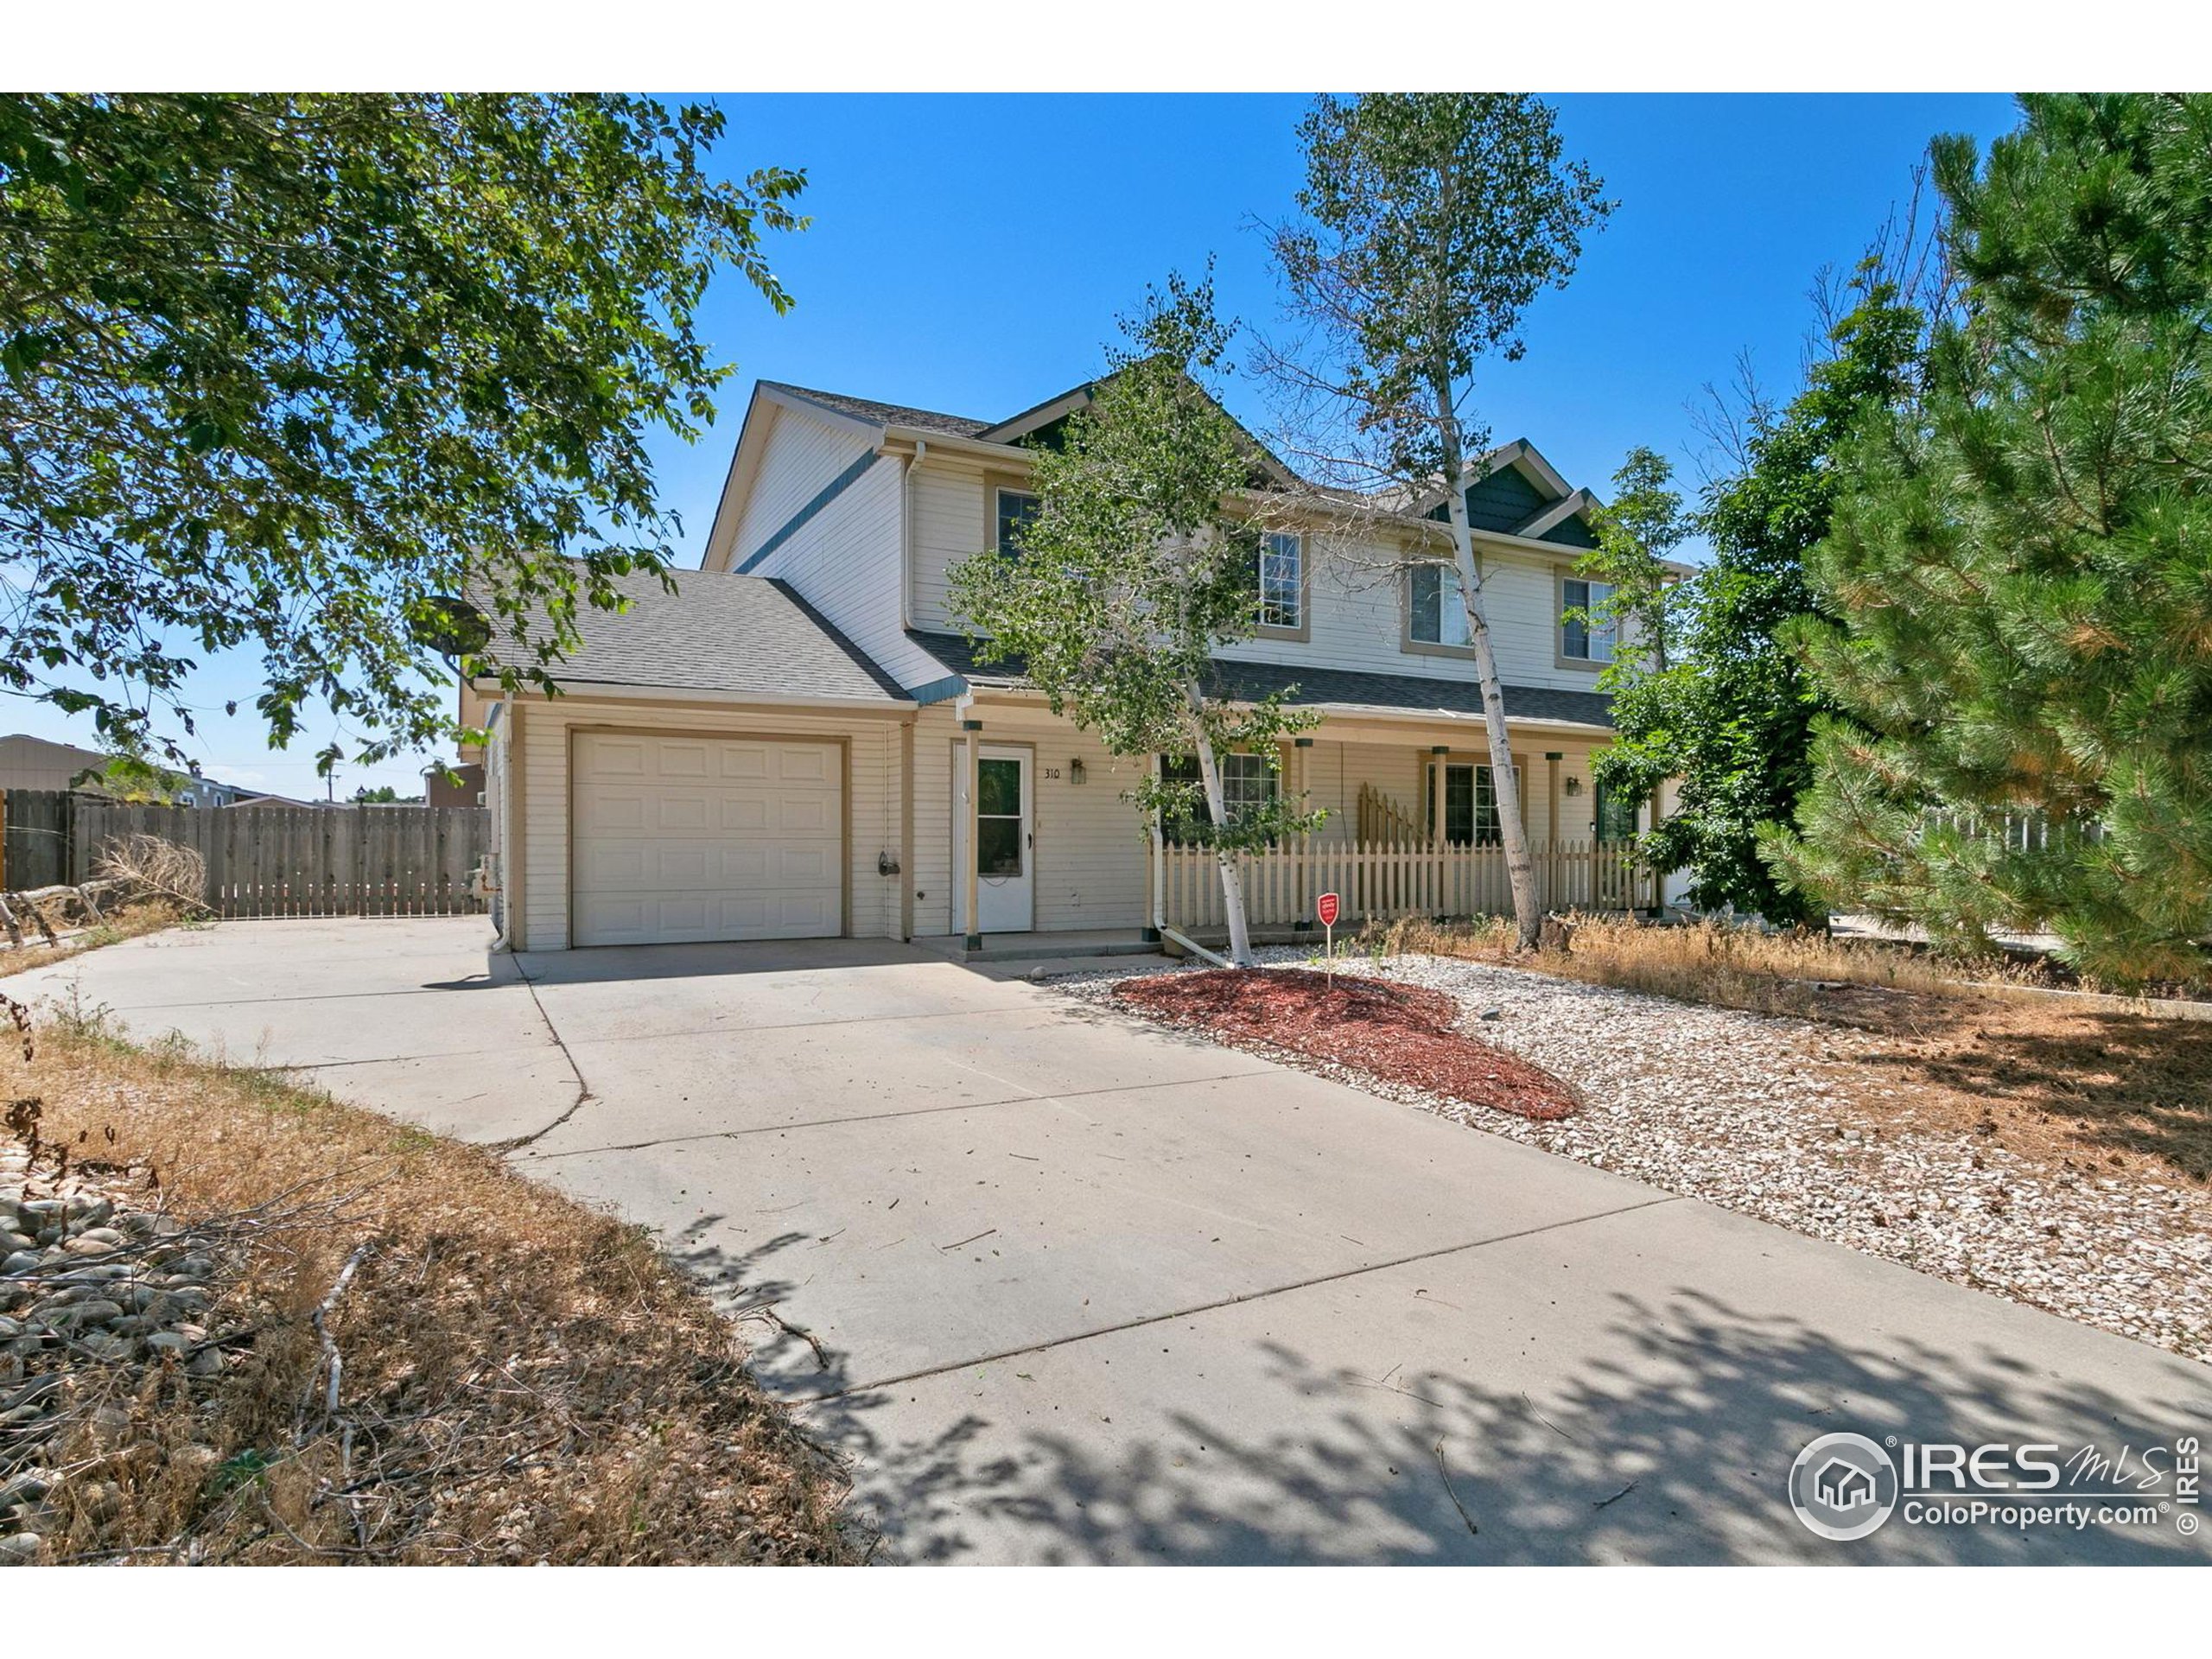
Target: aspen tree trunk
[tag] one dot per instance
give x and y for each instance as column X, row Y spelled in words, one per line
column 1505, row 786
column 1232, row 884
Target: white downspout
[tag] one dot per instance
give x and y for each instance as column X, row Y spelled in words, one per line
column 906, row 535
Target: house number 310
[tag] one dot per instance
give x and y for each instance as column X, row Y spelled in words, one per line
column 1052, row 771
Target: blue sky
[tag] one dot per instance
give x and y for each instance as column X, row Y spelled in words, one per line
column 969, row 253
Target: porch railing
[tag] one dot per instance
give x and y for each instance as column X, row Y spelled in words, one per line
column 1383, row 881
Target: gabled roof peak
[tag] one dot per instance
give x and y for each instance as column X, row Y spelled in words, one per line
column 881, row 414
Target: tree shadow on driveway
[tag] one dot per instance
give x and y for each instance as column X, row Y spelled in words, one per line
column 1674, row 1449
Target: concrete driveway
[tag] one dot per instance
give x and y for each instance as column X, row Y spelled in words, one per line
column 1068, row 1288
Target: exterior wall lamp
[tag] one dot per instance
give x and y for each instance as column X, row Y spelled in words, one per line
column 1074, row 771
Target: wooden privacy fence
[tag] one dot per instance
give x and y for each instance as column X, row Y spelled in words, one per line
column 263, row 860
column 1384, row 881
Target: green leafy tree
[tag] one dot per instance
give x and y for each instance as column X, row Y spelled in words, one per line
column 382, row 795
column 1642, row 523
column 1730, row 714
column 280, row 370
column 1137, row 567
column 2020, row 567
column 133, row 778
column 1429, row 223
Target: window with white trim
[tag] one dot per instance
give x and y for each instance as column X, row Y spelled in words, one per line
column 1013, row 510
column 1469, row 805
column 1247, row 782
column 1436, row 609
column 1282, row 581
column 1584, row 638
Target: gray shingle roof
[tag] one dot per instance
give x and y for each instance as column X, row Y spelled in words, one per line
column 868, row 409
column 717, row 633
column 1405, row 693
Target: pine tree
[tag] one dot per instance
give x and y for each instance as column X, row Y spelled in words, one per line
column 2021, row 560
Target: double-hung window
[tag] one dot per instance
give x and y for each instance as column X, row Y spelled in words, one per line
column 1436, row 610
column 1469, row 805
column 1583, row 639
column 1013, row 509
column 1282, row 581
column 1247, row 782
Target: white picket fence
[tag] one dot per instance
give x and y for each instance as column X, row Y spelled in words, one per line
column 1384, row 881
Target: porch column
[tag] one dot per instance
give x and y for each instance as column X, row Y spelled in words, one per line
column 1552, row 758
column 1301, row 752
column 1436, row 754
column 1658, row 881
column 1155, row 915
column 975, row 730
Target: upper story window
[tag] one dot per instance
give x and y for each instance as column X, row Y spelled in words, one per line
column 1013, row 510
column 1282, row 581
column 1436, row 611
column 1582, row 640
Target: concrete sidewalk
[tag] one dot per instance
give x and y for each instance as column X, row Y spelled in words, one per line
column 1068, row 1288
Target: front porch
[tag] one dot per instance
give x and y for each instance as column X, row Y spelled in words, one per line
column 1384, row 881
column 1411, row 830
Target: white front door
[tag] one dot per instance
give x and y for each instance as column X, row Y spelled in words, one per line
column 1006, row 841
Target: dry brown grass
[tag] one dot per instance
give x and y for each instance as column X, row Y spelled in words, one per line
column 1722, row 966
column 128, row 922
column 2064, row 1081
column 523, row 1379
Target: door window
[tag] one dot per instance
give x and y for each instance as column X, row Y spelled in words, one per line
column 1469, row 806
column 998, row 817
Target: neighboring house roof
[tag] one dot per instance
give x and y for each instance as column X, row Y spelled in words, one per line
column 1335, row 687
column 880, row 414
column 22, row 746
column 750, row 635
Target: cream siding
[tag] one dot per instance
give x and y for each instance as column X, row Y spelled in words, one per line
column 1355, row 595
column 1092, row 856
column 935, row 729
column 844, row 562
column 1091, row 853
column 1357, row 620
column 948, row 518
column 1335, row 772
column 800, row 455
column 872, row 794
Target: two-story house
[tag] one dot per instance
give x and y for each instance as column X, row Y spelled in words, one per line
column 802, row 741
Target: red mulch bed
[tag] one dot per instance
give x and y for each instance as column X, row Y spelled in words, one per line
column 1399, row 1034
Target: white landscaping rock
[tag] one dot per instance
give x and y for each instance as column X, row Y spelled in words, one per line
column 1733, row 1109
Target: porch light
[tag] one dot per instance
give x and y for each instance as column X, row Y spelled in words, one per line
column 1075, row 770
column 1574, row 786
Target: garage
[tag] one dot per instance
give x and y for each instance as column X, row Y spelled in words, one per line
column 685, row 839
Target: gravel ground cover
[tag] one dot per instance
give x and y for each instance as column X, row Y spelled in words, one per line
column 1790, row 1120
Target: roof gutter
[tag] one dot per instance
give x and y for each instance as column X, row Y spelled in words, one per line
column 589, row 691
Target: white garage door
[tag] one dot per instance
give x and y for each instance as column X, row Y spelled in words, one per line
column 683, row 839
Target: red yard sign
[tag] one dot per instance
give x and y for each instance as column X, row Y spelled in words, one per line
column 1325, row 908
